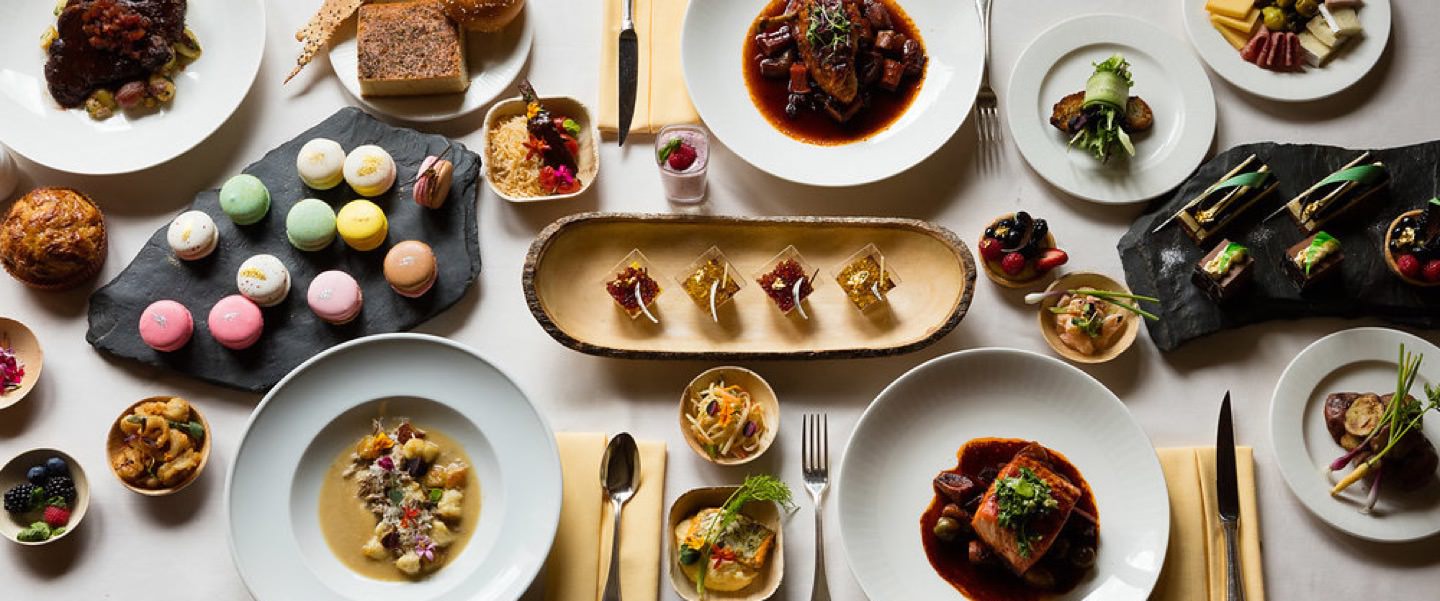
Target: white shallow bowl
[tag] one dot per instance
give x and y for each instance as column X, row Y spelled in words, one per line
column 273, row 487
column 712, row 52
column 232, row 35
column 1060, row 61
column 492, row 59
column 1356, row 360
column 912, row 430
column 1349, row 67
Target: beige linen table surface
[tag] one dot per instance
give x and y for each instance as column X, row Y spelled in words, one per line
column 133, row 548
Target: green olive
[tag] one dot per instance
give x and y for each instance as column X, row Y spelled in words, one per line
column 1308, row 8
column 1284, row 3
column 1274, row 18
column 947, row 529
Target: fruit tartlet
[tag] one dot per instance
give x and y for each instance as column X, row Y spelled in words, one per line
column 1018, row 250
column 1412, row 245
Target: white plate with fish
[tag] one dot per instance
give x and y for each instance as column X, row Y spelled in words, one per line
column 1359, row 360
column 1169, row 79
column 1346, row 69
column 207, row 92
column 315, row 415
column 913, row 429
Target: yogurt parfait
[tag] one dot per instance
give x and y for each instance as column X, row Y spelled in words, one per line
column 683, row 152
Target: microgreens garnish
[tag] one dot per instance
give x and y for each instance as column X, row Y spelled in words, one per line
column 829, row 26
column 1023, row 499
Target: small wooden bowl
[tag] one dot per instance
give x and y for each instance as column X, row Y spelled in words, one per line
column 760, row 392
column 1095, row 281
column 27, row 350
column 587, row 160
column 117, row 438
column 1029, row 277
column 764, row 512
column 14, row 473
column 1390, row 256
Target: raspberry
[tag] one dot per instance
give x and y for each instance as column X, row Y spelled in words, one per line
column 1013, row 264
column 1432, row 271
column 682, row 157
column 57, row 516
column 1408, row 266
column 1051, row 259
column 990, row 249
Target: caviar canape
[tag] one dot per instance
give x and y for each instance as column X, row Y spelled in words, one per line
column 1412, row 245
column 633, row 287
column 788, row 280
column 1018, row 250
column 866, row 278
column 1225, row 272
column 1314, row 261
column 711, row 281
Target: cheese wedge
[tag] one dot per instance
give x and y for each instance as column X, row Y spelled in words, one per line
column 1321, row 30
column 1317, row 53
column 1231, row 8
column 1246, row 25
column 1345, row 22
column 1236, row 38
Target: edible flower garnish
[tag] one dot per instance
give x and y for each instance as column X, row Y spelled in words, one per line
column 1401, row 415
column 1098, row 128
column 558, row 180
column 756, row 488
column 1022, row 499
column 425, row 548
column 12, row 370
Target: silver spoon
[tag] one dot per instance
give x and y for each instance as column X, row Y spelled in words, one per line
column 619, row 473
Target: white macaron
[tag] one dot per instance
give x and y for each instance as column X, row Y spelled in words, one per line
column 264, row 280
column 321, row 164
column 192, row 235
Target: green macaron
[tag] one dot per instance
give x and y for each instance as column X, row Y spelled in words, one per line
column 245, row 199
column 310, row 225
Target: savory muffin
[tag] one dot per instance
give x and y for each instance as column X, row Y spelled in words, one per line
column 53, row 239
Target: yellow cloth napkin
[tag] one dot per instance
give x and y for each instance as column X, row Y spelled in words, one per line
column 1195, row 564
column 660, row 95
column 572, row 572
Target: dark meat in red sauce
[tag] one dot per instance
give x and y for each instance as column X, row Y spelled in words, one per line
column 105, row 43
column 833, row 71
column 970, row 565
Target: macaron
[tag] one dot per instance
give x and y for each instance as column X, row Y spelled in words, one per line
column 432, row 186
column 321, row 164
column 192, row 235
column 369, row 170
column 310, row 225
column 410, row 268
column 264, row 280
column 335, row 297
column 166, row 326
column 362, row 225
column 236, row 323
column 245, row 199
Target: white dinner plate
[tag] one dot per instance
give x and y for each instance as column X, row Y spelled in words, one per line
column 232, row 36
column 321, row 408
column 912, row 430
column 1357, row 360
column 712, row 49
column 492, row 59
column 1167, row 76
column 1342, row 72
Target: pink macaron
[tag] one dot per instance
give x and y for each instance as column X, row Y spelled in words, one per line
column 335, row 297
column 166, row 326
column 235, row 322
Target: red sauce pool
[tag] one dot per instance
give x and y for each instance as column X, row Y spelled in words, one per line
column 815, row 127
column 997, row 583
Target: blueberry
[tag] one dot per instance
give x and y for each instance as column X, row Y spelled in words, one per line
column 57, row 467
column 37, row 475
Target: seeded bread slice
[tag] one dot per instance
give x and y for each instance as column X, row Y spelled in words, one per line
column 410, row 49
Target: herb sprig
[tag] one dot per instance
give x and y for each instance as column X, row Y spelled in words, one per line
column 1401, row 415
column 760, row 487
column 1023, row 499
column 830, row 26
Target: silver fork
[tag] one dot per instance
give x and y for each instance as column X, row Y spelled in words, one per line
column 815, row 449
column 987, row 124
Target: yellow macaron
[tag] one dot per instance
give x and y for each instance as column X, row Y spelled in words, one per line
column 362, row 225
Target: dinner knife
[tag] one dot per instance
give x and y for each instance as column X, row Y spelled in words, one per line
column 629, row 69
column 1228, row 500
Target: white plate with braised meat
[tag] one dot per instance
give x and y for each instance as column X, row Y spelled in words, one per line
column 400, row 465
column 1002, row 474
column 102, row 87
column 1110, row 109
column 832, row 92
column 1330, row 421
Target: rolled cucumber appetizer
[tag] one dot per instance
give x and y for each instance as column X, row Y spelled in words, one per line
column 1102, row 116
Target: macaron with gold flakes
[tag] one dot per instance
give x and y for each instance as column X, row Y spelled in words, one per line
column 264, row 280
column 321, row 164
column 192, row 235
column 369, row 170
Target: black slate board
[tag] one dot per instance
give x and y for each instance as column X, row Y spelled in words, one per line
column 292, row 332
column 1161, row 264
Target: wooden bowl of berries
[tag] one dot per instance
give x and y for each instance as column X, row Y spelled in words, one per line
column 46, row 496
column 1018, row 250
column 1412, row 246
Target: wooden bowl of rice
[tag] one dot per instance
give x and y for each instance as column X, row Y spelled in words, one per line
column 507, row 171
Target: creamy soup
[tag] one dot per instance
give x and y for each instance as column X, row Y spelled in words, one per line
column 350, row 527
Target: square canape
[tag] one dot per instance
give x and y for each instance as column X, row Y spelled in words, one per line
column 1225, row 272
column 410, row 49
column 1314, row 261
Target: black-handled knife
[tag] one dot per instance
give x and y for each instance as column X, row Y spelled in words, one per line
column 629, row 69
column 1227, row 495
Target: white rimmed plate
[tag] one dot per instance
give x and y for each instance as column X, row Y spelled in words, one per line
column 712, row 52
column 492, row 59
column 232, row 35
column 272, row 490
column 1356, row 360
column 1340, row 73
column 1059, row 62
column 914, row 427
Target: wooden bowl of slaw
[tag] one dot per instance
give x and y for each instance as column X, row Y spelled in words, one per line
column 761, row 395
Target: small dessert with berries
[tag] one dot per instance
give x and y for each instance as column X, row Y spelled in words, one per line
column 632, row 286
column 1412, row 245
column 788, row 280
column 1019, row 250
column 1314, row 261
column 683, row 154
column 1226, row 272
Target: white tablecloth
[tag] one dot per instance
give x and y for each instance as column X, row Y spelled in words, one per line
column 133, row 548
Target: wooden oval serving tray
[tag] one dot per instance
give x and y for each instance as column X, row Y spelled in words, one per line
column 571, row 258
